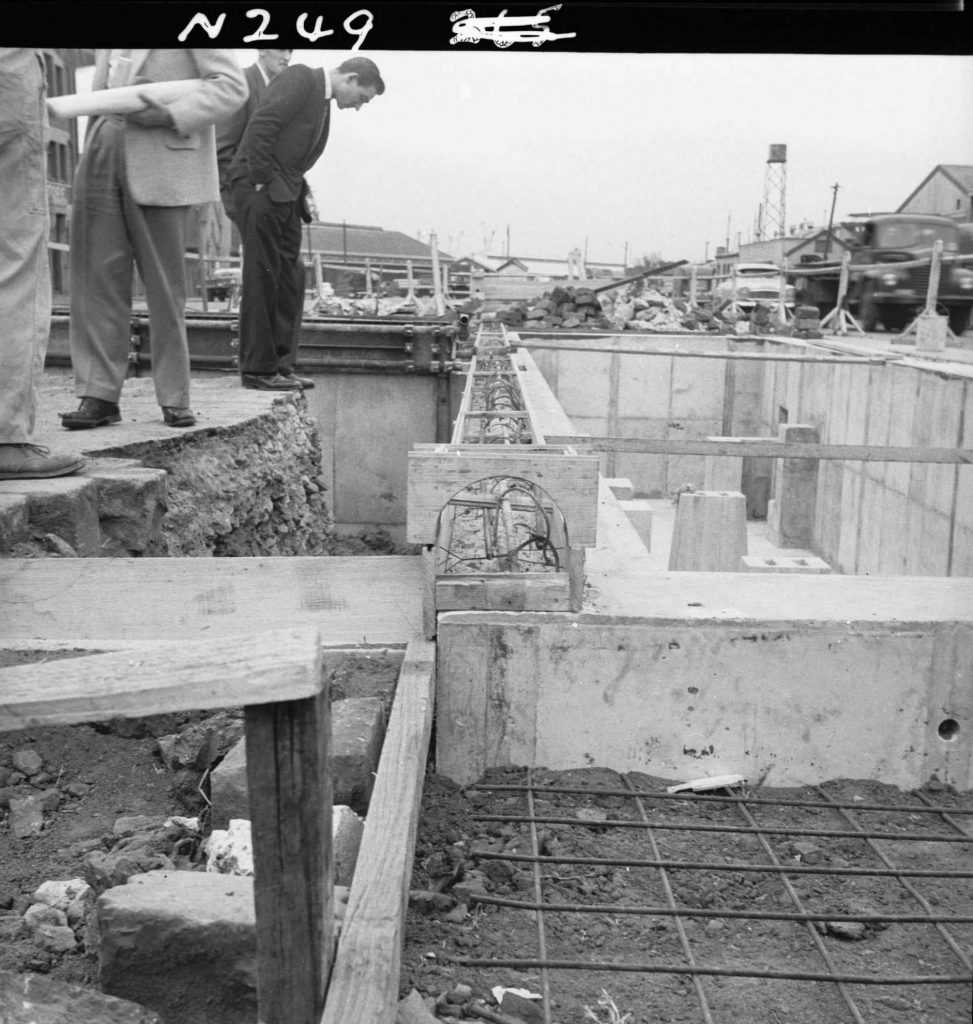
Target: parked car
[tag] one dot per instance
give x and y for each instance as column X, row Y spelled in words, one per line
column 753, row 283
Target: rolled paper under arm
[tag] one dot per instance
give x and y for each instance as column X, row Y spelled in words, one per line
column 123, row 100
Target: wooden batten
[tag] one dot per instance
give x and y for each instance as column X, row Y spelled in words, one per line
column 278, row 665
column 365, row 977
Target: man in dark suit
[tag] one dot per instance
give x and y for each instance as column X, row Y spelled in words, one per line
column 286, row 135
column 270, row 63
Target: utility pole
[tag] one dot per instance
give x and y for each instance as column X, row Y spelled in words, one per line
column 508, row 241
column 728, row 216
column 827, row 237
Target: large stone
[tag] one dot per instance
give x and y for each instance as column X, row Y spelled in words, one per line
column 184, row 944
column 37, row 999
column 357, row 732
column 228, row 788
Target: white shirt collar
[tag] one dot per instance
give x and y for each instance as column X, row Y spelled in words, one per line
column 327, row 84
column 263, row 74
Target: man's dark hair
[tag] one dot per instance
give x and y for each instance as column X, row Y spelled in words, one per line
column 367, row 71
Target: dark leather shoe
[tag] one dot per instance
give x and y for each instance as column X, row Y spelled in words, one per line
column 178, row 417
column 274, row 382
column 305, row 382
column 92, row 412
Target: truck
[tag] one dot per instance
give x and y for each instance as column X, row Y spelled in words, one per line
column 891, row 295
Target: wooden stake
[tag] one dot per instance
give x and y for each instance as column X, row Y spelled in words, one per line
column 289, row 782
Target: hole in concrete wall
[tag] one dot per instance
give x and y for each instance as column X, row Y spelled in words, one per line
column 948, row 729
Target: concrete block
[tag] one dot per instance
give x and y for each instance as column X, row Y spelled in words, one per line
column 620, row 487
column 795, row 492
column 13, row 520
column 65, row 506
column 184, row 943
column 357, row 732
column 930, row 332
column 639, row 512
column 37, row 999
column 131, row 504
column 710, row 532
column 778, row 563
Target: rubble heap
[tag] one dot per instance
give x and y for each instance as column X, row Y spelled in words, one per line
column 572, row 308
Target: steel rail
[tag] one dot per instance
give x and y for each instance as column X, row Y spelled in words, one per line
column 689, row 865
column 929, row 837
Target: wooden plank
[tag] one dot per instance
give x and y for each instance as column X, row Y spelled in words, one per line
column 523, row 593
column 289, row 782
column 223, row 672
column 771, row 448
column 571, row 481
column 352, row 600
column 365, row 978
column 681, row 353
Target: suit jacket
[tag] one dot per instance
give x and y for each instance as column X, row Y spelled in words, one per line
column 286, row 135
column 229, row 132
column 177, row 166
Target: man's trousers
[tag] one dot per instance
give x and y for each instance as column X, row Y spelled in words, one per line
column 25, row 283
column 272, row 296
column 110, row 233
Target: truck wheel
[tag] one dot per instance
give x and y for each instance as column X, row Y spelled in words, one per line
column 895, row 317
column 868, row 312
column 959, row 319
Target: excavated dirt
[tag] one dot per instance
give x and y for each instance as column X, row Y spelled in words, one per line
column 447, row 922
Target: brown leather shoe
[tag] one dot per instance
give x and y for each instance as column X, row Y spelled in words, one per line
column 92, row 412
column 35, row 462
column 305, row 382
column 178, row 417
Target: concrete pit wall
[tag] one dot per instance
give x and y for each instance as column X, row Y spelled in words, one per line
column 885, row 518
column 785, row 680
column 655, row 396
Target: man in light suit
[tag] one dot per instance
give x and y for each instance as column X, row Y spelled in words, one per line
column 269, row 64
column 137, row 179
column 286, row 135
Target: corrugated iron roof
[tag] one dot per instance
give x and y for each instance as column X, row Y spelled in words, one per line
column 360, row 240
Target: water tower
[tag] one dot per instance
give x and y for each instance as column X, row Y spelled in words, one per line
column 774, row 209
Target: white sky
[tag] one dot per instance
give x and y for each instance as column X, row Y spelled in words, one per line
column 654, row 151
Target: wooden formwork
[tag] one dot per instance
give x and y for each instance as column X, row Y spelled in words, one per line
column 500, row 472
